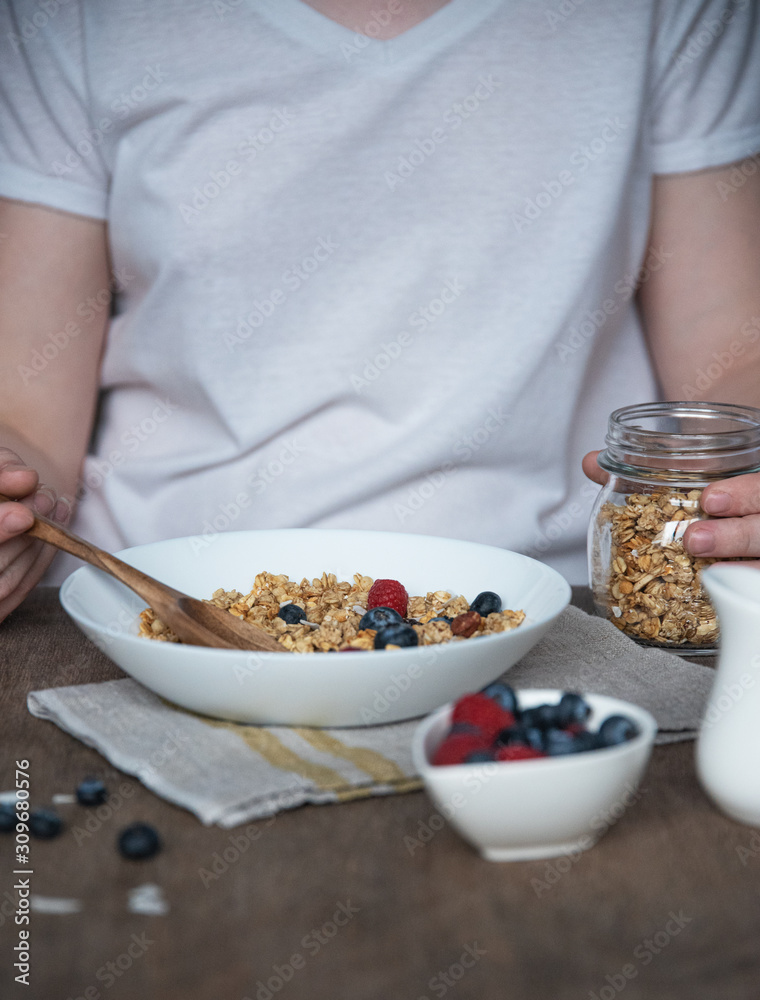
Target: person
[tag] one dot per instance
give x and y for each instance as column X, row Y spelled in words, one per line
column 365, row 264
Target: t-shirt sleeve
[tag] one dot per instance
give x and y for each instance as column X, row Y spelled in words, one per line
column 705, row 105
column 50, row 151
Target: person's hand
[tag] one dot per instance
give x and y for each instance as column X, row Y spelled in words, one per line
column 735, row 505
column 592, row 470
column 23, row 560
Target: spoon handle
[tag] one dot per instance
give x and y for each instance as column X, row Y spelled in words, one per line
column 61, row 538
column 197, row 622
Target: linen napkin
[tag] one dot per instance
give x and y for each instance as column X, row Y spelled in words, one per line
column 228, row 773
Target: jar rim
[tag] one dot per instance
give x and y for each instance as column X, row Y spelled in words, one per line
column 687, row 438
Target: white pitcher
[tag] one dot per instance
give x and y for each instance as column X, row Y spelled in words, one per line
column 728, row 746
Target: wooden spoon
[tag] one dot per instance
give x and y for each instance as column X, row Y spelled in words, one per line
column 194, row 621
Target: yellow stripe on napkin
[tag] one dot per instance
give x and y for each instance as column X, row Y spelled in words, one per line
column 276, row 753
column 370, row 761
column 364, row 791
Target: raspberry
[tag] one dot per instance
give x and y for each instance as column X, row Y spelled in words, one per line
column 456, row 749
column 388, row 594
column 483, row 712
column 517, row 752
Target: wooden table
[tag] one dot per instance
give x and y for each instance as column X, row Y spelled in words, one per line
column 328, row 902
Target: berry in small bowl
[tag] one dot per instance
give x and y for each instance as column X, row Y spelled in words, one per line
column 547, row 782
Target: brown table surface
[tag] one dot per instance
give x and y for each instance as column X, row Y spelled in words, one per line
column 666, row 905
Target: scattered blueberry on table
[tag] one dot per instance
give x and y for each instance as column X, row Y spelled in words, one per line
column 45, row 824
column 91, row 792
column 139, row 841
column 7, row 817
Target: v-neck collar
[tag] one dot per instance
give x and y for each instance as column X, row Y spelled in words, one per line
column 309, row 27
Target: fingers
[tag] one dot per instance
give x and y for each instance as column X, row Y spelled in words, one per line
column 17, row 516
column 23, row 573
column 22, row 559
column 735, row 532
column 724, row 538
column 18, row 556
column 592, row 470
column 733, row 497
column 16, row 478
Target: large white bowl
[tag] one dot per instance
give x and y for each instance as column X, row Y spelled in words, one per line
column 319, row 689
column 527, row 809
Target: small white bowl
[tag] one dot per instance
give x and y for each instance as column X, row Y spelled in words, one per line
column 542, row 808
column 316, row 689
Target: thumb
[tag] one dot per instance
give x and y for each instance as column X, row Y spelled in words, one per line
column 591, row 468
column 16, row 478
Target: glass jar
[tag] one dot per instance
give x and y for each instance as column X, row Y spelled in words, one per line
column 659, row 457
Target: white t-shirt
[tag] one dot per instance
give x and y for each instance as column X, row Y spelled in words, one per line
column 377, row 284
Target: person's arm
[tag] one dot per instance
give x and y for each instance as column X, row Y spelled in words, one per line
column 51, row 264
column 698, row 309
column 701, row 314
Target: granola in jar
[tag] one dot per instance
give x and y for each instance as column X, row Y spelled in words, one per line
column 652, row 591
column 659, row 458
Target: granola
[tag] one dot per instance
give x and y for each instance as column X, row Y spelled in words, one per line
column 653, row 589
column 333, row 609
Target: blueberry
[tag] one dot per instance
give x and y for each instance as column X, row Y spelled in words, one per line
column 558, row 742
column 376, row 618
column 616, row 729
column 486, row 603
column 7, row 817
column 587, row 741
column 44, row 823
column 533, row 737
column 512, row 734
column 503, row 695
column 139, row 841
column 479, row 757
column 572, row 710
column 442, row 618
column 520, row 735
column 542, row 716
column 91, row 792
column 291, row 614
column 396, row 634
